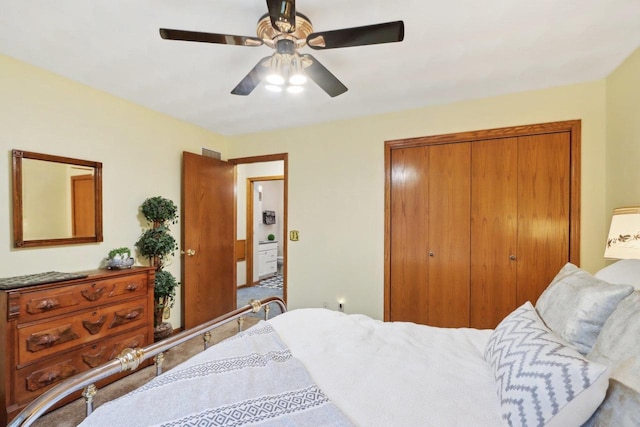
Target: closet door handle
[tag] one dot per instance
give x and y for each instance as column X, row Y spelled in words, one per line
column 512, row 257
column 431, row 254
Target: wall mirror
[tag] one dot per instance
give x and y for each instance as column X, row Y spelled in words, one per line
column 56, row 200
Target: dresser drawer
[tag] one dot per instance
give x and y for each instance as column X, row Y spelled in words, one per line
column 51, row 302
column 270, row 267
column 271, row 255
column 33, row 380
column 43, row 339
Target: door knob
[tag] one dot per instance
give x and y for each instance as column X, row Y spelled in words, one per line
column 190, row 252
column 512, row 257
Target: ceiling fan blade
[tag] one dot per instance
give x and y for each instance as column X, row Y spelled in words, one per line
column 357, row 36
column 283, row 15
column 251, row 80
column 195, row 36
column 323, row 77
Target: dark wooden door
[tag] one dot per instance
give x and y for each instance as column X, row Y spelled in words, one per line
column 208, row 237
column 83, row 205
column 409, row 234
column 494, row 230
column 430, row 235
column 448, row 244
column 544, row 206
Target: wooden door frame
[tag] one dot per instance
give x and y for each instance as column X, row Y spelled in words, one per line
column 571, row 126
column 285, row 228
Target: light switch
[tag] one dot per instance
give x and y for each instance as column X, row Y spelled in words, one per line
column 294, row 235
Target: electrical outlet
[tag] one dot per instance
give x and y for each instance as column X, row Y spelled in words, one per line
column 324, row 304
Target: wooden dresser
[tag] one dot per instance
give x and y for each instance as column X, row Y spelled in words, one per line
column 52, row 331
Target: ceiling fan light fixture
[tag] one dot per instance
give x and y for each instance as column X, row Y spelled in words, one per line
column 284, row 29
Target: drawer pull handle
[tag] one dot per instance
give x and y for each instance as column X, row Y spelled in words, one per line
column 94, row 327
column 133, row 315
column 91, row 295
column 48, row 339
column 48, row 304
column 48, row 377
column 132, row 287
column 45, row 377
column 122, row 317
column 94, row 360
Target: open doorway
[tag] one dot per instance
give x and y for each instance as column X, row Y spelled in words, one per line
column 261, row 227
column 265, row 208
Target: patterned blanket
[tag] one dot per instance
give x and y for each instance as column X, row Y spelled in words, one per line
column 249, row 379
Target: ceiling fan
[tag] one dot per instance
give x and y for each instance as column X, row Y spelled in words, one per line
column 286, row 31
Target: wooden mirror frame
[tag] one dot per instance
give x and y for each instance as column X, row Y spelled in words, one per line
column 18, row 231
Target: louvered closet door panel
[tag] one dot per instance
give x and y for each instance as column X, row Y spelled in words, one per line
column 409, row 207
column 449, row 239
column 543, row 211
column 494, row 204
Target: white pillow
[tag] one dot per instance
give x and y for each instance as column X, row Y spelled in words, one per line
column 575, row 305
column 624, row 272
column 540, row 380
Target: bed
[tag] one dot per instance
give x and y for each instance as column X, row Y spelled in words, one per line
column 573, row 359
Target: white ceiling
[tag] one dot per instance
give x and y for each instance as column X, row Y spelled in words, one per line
column 453, row 50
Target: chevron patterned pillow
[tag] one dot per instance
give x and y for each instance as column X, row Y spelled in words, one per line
column 540, row 380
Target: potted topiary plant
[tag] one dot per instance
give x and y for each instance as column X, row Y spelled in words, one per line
column 164, row 294
column 157, row 244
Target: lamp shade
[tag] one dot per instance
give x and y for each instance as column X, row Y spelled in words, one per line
column 624, row 235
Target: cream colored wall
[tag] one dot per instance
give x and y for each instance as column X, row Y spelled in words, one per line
column 140, row 149
column 623, row 136
column 336, row 185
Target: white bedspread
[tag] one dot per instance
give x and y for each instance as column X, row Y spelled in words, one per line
column 394, row 374
column 249, row 379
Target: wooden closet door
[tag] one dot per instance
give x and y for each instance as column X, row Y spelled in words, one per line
column 449, row 235
column 494, row 207
column 408, row 234
column 543, row 211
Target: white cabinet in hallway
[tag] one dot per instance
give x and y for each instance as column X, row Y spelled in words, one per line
column 267, row 258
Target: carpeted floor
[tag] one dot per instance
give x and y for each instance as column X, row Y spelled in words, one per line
column 72, row 414
column 266, row 288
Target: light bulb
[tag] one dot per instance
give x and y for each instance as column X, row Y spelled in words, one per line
column 296, row 71
column 275, row 79
column 274, row 88
column 294, row 89
column 275, row 76
column 298, row 79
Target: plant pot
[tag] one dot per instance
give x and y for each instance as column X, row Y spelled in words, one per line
column 115, row 263
column 162, row 331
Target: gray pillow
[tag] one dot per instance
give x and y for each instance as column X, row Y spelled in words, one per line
column 575, row 305
column 621, row 406
column 619, row 338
